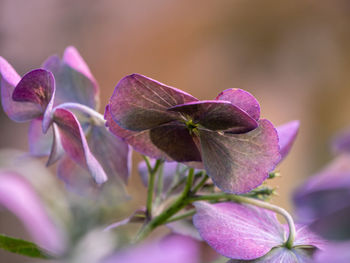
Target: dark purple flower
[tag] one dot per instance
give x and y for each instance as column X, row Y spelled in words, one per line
column 237, row 149
column 33, row 98
column 322, row 202
column 247, row 233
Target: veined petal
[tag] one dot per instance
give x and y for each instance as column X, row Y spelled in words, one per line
column 175, row 140
column 17, row 195
column 243, row 100
column 74, row 80
column 173, row 249
column 238, row 163
column 75, row 144
column 16, row 111
column 140, row 141
column 217, row 115
column 37, row 87
column 238, row 231
column 139, row 103
column 57, row 150
column 287, row 134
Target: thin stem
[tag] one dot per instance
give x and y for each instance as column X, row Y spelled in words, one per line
column 151, row 179
column 255, row 202
column 182, row 216
column 200, row 184
column 82, row 108
column 179, row 203
column 160, row 184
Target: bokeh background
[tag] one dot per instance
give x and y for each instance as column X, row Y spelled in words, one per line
column 294, row 56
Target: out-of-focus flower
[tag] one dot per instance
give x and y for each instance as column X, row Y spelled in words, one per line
column 334, row 252
column 35, row 98
column 172, row 249
column 237, row 149
column 247, row 233
column 322, row 202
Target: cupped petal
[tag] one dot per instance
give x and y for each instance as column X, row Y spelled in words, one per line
column 75, row 144
column 243, row 100
column 217, row 115
column 287, row 134
column 37, row 87
column 140, row 141
column 74, row 80
column 173, row 249
column 17, row 195
column 111, row 152
column 175, row 140
column 238, row 231
column 140, row 103
column 238, row 163
column 57, row 150
column 16, row 111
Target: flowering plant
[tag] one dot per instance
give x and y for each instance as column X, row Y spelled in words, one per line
column 202, row 159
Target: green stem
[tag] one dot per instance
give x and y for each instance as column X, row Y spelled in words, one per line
column 82, row 108
column 160, row 184
column 190, row 212
column 169, row 212
column 200, row 184
column 151, row 179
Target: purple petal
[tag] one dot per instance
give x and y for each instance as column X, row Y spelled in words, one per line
column 175, row 140
column 238, row 163
column 323, row 194
column 140, row 141
column 217, row 115
column 173, row 249
column 17, row 111
column 39, row 143
column 37, row 87
column 341, row 142
column 139, row 103
column 17, row 195
column 287, row 134
column 112, row 153
column 75, row 144
column 243, row 100
column 334, row 252
column 238, row 231
column 74, row 81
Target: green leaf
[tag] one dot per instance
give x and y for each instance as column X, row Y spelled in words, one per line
column 21, row 247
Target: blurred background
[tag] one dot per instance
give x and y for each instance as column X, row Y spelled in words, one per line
column 294, row 56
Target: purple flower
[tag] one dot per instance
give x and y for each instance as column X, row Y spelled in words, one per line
column 247, row 233
column 237, row 149
column 287, row 134
column 334, row 252
column 172, row 249
column 322, row 203
column 35, row 98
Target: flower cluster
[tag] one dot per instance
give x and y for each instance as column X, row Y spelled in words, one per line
column 205, row 160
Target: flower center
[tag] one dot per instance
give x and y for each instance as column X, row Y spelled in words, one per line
column 191, row 126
